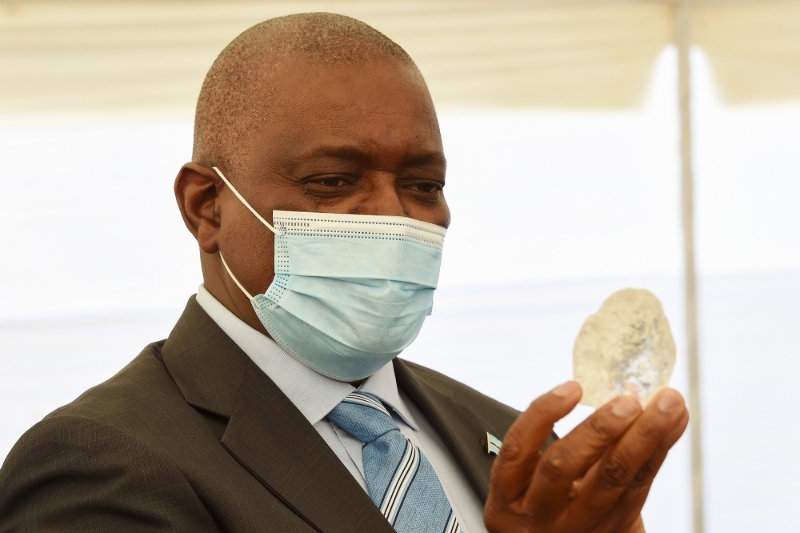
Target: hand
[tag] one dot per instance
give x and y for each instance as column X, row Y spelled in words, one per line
column 595, row 479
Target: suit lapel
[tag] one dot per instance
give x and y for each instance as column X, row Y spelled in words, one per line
column 266, row 433
column 272, row 439
column 461, row 426
column 462, row 416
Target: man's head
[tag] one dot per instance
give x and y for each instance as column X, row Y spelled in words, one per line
column 242, row 89
column 313, row 112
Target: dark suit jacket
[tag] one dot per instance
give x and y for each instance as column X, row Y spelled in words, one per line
column 192, row 436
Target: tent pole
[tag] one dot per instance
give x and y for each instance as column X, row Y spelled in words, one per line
column 683, row 40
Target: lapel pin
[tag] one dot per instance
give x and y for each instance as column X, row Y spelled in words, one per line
column 493, row 444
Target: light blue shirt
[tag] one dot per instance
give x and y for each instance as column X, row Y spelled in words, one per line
column 315, row 395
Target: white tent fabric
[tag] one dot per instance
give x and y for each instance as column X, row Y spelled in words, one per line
column 754, row 48
column 78, row 55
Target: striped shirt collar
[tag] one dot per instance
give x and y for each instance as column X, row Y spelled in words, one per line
column 313, row 394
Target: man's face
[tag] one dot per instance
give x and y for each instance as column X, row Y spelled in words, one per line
column 360, row 139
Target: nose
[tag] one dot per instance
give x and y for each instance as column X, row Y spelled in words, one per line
column 381, row 197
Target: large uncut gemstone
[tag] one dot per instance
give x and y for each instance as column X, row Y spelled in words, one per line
column 624, row 348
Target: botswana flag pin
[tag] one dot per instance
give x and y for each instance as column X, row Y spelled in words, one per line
column 493, row 444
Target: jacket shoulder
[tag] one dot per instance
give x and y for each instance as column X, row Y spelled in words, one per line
column 141, row 383
column 75, row 473
column 93, row 464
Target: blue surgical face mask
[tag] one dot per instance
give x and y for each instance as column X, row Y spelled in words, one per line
column 350, row 291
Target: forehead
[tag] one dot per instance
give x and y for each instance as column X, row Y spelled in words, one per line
column 381, row 100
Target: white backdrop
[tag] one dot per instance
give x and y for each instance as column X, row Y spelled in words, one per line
column 552, row 212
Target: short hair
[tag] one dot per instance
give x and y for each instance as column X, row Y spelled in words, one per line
column 235, row 96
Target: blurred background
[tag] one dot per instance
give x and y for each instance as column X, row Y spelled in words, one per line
column 562, row 123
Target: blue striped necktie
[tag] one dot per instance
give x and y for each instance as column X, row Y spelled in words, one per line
column 400, row 480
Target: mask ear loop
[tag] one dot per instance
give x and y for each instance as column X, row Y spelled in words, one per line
column 255, row 213
column 241, row 199
column 234, row 278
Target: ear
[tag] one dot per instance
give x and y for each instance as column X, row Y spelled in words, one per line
column 196, row 190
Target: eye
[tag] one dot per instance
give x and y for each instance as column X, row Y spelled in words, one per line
column 428, row 187
column 332, row 182
column 424, row 189
column 330, row 185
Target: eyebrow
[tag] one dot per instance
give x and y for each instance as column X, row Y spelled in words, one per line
column 426, row 158
column 351, row 153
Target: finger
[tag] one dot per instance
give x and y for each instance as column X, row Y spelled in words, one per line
column 571, row 457
column 513, row 468
column 632, row 500
column 647, row 473
column 616, row 471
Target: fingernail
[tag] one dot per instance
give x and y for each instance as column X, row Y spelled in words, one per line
column 625, row 407
column 669, row 401
column 566, row 389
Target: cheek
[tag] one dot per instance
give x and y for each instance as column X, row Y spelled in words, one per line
column 248, row 249
column 445, row 214
column 438, row 213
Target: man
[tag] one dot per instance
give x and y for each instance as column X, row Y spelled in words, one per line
column 277, row 403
